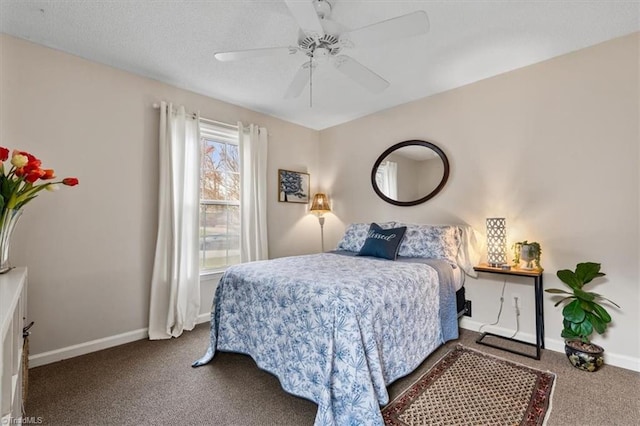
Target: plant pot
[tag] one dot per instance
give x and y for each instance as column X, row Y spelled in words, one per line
column 528, row 253
column 587, row 357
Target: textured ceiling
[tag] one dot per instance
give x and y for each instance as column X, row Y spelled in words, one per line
column 174, row 42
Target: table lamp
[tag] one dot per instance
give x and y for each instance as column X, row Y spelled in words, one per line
column 320, row 206
column 496, row 242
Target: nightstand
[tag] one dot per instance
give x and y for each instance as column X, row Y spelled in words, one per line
column 536, row 274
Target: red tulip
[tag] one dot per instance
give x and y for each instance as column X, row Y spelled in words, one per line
column 32, row 164
column 70, row 181
column 34, row 175
column 48, row 174
column 21, row 179
column 32, row 161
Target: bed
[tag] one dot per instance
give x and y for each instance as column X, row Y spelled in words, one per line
column 338, row 327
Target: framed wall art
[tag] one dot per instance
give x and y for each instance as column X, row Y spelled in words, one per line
column 293, row 187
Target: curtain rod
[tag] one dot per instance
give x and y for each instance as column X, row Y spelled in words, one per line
column 206, row 120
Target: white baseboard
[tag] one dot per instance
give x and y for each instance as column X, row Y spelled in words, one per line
column 87, row 347
column 469, row 324
column 556, row 345
column 44, row 358
column 203, row 318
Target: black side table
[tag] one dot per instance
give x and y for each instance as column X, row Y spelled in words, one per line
column 536, row 274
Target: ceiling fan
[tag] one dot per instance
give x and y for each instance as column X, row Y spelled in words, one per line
column 322, row 40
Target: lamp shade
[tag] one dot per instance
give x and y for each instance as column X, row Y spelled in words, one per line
column 496, row 241
column 320, row 204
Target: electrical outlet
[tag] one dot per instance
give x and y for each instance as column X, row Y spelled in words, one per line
column 467, row 308
column 515, row 300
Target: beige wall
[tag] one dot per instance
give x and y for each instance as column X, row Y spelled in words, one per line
column 89, row 249
column 552, row 147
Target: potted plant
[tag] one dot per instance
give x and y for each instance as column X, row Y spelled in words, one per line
column 582, row 316
column 528, row 252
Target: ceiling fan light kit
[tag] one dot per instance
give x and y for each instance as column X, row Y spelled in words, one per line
column 322, row 40
column 323, row 8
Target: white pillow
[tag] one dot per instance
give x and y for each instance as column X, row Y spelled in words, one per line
column 431, row 242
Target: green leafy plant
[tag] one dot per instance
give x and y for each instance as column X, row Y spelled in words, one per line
column 534, row 252
column 582, row 313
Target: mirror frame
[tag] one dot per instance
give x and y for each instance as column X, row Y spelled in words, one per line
column 399, row 145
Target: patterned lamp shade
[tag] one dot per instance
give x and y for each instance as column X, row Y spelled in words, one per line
column 320, row 204
column 496, row 241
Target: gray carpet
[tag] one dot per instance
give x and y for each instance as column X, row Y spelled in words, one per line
column 152, row 383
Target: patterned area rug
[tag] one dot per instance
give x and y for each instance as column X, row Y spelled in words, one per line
column 467, row 387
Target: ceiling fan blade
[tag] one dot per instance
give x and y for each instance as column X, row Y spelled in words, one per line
column 253, row 53
column 306, row 16
column 361, row 74
column 299, row 81
column 409, row 25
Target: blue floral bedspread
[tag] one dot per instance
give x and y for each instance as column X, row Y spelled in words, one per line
column 334, row 329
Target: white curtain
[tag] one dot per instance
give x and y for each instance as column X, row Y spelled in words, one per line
column 253, row 193
column 175, row 284
column 392, row 179
column 387, row 179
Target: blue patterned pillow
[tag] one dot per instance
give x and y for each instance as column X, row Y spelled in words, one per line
column 382, row 243
column 431, row 242
column 356, row 233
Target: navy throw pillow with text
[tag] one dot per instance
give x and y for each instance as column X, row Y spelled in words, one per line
column 383, row 243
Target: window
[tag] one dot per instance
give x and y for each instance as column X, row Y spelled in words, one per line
column 219, row 197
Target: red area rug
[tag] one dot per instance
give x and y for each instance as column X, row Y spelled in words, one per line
column 468, row 387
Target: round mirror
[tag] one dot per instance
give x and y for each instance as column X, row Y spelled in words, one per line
column 410, row 173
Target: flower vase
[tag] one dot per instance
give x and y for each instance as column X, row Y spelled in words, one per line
column 8, row 220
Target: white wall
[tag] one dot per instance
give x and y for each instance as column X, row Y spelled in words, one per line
column 552, row 147
column 89, row 249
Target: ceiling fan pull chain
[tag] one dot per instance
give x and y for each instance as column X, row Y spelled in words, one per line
column 311, row 82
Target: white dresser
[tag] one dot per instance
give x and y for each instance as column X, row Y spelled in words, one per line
column 13, row 310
